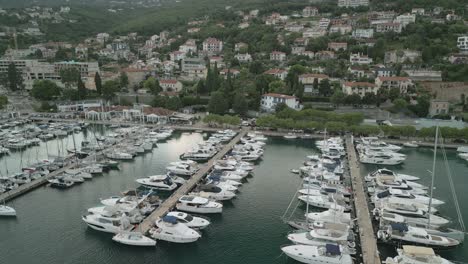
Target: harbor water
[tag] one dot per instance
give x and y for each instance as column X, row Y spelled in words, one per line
column 48, row 228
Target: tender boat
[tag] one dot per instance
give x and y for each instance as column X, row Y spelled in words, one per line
column 328, row 254
column 411, row 144
column 134, row 239
column 416, row 255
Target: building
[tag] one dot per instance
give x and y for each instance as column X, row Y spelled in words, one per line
column 194, row 68
column 271, row 100
column 402, row 56
column 360, row 59
column 278, row 56
column 297, row 50
column 243, row 57
column 170, row 85
column 212, row 45
column 177, row 55
column 240, row 45
column 324, row 23
column 359, row 88
column 84, row 68
column 388, row 27
column 424, row 75
column 352, row 3
column 189, row 46
column 360, row 72
column 462, row 43
column 308, row 80
column 392, row 82
column 314, row 32
column 278, row 73
column 405, row 19
column 439, row 107
column 73, row 106
column 363, row 33
column 418, row 11
column 341, row 29
column 384, row 72
column 337, row 46
column 309, row 11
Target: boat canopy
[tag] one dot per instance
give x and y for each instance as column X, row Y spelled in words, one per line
column 399, row 227
column 414, row 250
column 332, row 249
column 383, row 194
column 170, row 219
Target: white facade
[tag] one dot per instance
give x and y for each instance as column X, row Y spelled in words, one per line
column 359, row 59
column 212, row 45
column 363, row 33
column 405, row 19
column 359, row 88
column 462, row 43
column 352, row 3
column 243, row 57
column 271, row 100
column 278, row 56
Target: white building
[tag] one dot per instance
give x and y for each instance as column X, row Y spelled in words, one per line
column 170, row 85
column 388, row 27
column 271, row 100
column 359, row 88
column 243, row 57
column 278, row 56
column 363, row 33
column 401, row 83
column 324, row 23
column 352, row 3
column 405, row 19
column 462, row 43
column 177, row 55
column 278, row 73
column 314, row 32
column 309, row 11
column 360, row 59
column 212, row 45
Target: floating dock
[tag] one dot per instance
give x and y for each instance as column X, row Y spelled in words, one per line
column 170, row 202
column 370, row 253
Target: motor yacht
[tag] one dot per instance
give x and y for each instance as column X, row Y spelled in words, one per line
column 159, row 182
column 170, row 229
column 196, row 204
column 109, row 224
column 190, row 220
column 416, row 255
column 134, row 239
column 328, row 254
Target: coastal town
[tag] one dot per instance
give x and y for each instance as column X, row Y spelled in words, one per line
column 293, row 132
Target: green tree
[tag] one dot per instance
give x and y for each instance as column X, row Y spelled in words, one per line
column 369, row 99
column 400, row 104
column 123, row 79
column 201, row 88
column 256, row 67
column 13, row 78
column 152, row 85
column 277, row 86
column 45, row 90
column 281, row 107
column 69, row 77
column 3, row 101
column 218, row 104
column 324, row 87
column 82, row 92
column 174, row 103
column 109, row 89
column 393, row 93
column 338, row 97
column 353, row 99
column 240, row 105
column 159, row 101
column 98, row 83
column 61, row 55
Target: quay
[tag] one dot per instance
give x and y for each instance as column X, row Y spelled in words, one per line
column 170, row 202
column 370, row 254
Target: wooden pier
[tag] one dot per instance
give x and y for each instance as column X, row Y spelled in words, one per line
column 370, row 254
column 170, row 202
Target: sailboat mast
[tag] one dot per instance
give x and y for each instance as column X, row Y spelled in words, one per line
column 433, row 175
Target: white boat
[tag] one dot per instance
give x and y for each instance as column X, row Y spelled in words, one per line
column 416, row 255
column 119, row 156
column 411, row 213
column 215, row 192
column 411, row 144
column 112, row 224
column 159, row 182
column 295, row 171
column 60, row 183
column 321, row 233
column 406, row 197
column 332, row 216
column 187, row 168
column 169, row 229
column 328, row 254
column 190, row 220
column 290, row 136
column 386, row 172
column 134, row 239
column 7, row 211
column 325, row 202
column 380, row 158
column 196, row 204
column 463, row 149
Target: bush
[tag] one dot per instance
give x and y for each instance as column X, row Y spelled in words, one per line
column 316, row 99
column 190, row 100
column 222, row 119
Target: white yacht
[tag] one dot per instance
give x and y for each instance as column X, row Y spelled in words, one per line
column 416, row 255
column 215, row 192
column 332, row 216
column 196, row 204
column 325, row 202
column 290, row 136
column 411, row 213
column 411, row 144
column 385, row 172
column 402, row 233
column 159, row 182
column 328, row 254
column 186, row 167
column 134, row 239
column 112, row 224
column 119, row 156
column 321, row 233
column 380, row 158
column 405, row 197
column 169, row 229
column 190, row 220
column 7, row 210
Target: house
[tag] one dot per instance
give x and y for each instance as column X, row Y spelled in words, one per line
column 278, row 56
column 177, row 55
column 439, row 107
column 363, row 33
column 402, row 56
column 337, row 46
column 189, row 46
column 359, row 58
column 271, row 100
column 170, row 85
column 278, row 73
column 352, row 3
column 233, row 72
column 297, row 50
column 324, row 55
column 308, row 80
column 360, row 72
column 308, row 53
column 218, row 61
column 244, row 25
column 314, row 32
column 324, row 23
column 309, row 11
column 243, row 57
column 341, row 29
column 424, row 75
column 212, row 45
column 418, row 11
column 458, row 58
column 194, row 68
column 359, row 88
column 102, row 37
column 401, row 83
column 462, row 43
column 275, row 19
column 294, row 27
column 388, row 27
column 384, row 72
column 301, row 42
column 240, row 45
column 405, row 19
column 193, row 30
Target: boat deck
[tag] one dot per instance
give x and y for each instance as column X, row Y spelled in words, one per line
column 369, row 249
column 170, row 202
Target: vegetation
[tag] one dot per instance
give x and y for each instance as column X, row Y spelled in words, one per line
column 45, row 90
column 3, row 101
column 12, row 79
column 222, row 119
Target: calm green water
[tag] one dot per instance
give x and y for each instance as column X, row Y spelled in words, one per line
column 418, row 162
column 49, row 229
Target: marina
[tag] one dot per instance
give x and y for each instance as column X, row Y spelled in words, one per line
column 237, row 215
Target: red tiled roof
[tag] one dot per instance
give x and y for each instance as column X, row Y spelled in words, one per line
column 212, row 40
column 275, row 71
column 277, row 95
column 170, row 81
column 393, row 78
column 361, row 84
column 314, row 75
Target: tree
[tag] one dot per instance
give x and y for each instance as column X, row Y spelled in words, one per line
column 174, row 103
column 369, row 99
column 69, row 76
column 109, row 89
column 123, row 79
column 159, row 101
column 61, row 55
column 45, row 90
column 256, row 67
column 400, row 104
column 240, row 105
column 218, row 104
column 13, row 78
column 324, row 87
column 152, row 85
column 277, row 86
column 338, row 97
column 98, row 83
column 315, row 84
column 201, row 88
column 3, row 101
column 281, row 107
column 82, row 92
column 394, row 93
column 353, row 99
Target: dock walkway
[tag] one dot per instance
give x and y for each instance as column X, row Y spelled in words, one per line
column 170, row 202
column 369, row 249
